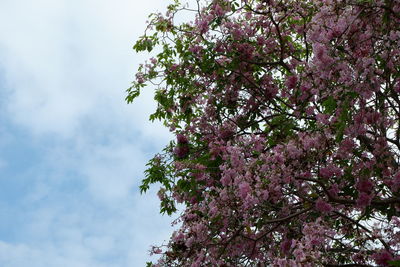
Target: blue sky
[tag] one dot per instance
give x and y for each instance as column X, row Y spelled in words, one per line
column 72, row 153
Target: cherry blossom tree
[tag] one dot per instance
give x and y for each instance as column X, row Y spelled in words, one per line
column 287, row 122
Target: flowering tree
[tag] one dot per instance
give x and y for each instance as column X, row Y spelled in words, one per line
column 286, row 115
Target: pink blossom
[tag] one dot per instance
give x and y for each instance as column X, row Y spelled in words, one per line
column 174, row 67
column 397, row 87
column 181, row 139
column 293, row 151
column 244, row 189
column 161, row 194
column 396, row 182
column 140, row 77
column 322, row 118
column 365, row 185
column 382, row 258
column 265, row 194
column 189, row 242
column 319, row 51
column 372, row 117
column 323, row 206
column 202, row 24
column 334, row 190
column 225, row 133
column 227, row 177
column 363, row 199
column 291, row 82
column 223, row 60
column 195, row 49
column 326, row 172
column 257, row 74
column 310, row 111
column 219, row 11
column 181, row 151
column 286, row 245
column 347, row 145
column 156, row 250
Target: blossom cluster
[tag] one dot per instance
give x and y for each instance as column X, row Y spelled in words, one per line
column 287, row 118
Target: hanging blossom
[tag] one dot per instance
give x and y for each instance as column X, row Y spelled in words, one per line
column 286, row 116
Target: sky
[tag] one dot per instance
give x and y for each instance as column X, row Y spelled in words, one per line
column 72, row 152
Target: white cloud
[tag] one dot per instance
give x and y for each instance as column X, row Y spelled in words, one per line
column 111, row 170
column 76, row 236
column 65, row 64
column 3, row 163
column 69, row 61
column 21, row 255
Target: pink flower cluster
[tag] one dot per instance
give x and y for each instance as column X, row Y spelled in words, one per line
column 286, row 116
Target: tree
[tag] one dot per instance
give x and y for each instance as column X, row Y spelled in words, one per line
column 286, row 114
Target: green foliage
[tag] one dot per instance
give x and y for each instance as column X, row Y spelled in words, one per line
column 157, row 171
column 272, row 103
column 329, row 105
column 145, row 43
column 344, row 120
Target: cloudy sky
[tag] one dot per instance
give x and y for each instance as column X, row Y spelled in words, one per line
column 72, row 152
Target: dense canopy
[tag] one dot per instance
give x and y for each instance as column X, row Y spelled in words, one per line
column 286, row 115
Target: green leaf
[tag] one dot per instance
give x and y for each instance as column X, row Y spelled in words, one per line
column 343, row 121
column 167, row 205
column 157, row 172
column 133, row 92
column 329, row 105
